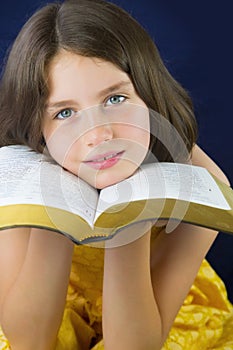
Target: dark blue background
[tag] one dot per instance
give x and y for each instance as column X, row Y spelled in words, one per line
column 194, row 39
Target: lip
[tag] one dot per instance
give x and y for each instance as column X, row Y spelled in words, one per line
column 104, row 161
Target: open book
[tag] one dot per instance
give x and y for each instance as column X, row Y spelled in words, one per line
column 37, row 192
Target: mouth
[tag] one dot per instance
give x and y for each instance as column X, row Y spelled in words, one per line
column 104, row 161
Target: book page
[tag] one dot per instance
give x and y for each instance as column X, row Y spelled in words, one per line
column 165, row 180
column 27, row 177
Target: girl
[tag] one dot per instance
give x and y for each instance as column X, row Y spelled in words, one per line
column 78, row 56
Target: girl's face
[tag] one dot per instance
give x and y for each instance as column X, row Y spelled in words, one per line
column 95, row 125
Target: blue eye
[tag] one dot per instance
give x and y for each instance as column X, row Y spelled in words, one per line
column 114, row 100
column 65, row 114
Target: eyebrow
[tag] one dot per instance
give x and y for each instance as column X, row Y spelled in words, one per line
column 101, row 94
column 112, row 88
column 60, row 104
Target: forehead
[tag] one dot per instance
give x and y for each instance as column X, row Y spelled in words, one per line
column 68, row 63
column 72, row 75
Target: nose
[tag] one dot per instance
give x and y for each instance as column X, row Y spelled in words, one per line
column 98, row 134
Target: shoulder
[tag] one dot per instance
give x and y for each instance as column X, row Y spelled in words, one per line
column 200, row 158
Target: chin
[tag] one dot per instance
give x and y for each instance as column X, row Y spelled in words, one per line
column 106, row 180
column 100, row 184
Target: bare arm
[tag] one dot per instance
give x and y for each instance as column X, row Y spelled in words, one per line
column 176, row 257
column 131, row 319
column 143, row 292
column 33, row 298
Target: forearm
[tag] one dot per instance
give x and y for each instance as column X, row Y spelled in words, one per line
column 33, row 308
column 131, row 318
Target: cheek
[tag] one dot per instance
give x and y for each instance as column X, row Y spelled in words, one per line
column 62, row 144
column 137, row 128
column 136, row 135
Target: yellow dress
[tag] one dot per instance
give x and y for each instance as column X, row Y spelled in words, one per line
column 205, row 320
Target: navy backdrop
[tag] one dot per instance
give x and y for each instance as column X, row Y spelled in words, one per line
column 194, row 39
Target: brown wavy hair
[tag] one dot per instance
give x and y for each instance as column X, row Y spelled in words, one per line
column 92, row 28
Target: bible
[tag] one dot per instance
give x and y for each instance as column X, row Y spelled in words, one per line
column 37, row 192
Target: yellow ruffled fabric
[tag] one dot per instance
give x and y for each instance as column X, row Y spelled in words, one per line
column 82, row 320
column 205, row 320
column 4, row 344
